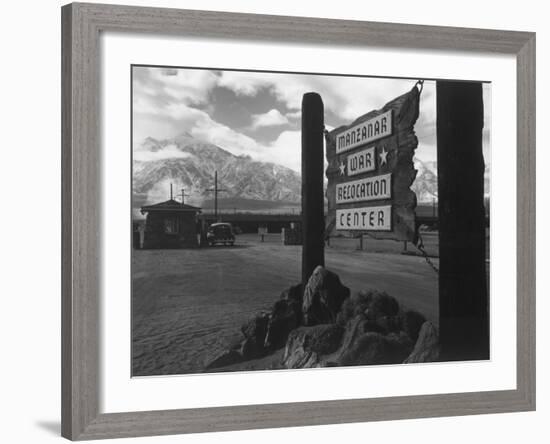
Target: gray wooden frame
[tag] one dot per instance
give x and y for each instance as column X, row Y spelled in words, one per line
column 81, row 26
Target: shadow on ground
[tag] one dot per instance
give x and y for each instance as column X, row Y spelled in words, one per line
column 53, row 427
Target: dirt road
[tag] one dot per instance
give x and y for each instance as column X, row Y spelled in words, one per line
column 188, row 305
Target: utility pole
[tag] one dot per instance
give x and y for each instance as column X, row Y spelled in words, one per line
column 171, row 194
column 183, row 196
column 216, row 190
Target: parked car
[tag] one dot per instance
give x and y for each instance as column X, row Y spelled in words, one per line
column 220, row 233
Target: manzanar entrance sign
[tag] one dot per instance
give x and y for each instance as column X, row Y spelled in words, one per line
column 370, row 172
column 369, row 188
column 365, row 132
column 367, row 218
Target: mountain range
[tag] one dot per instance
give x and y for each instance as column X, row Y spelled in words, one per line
column 245, row 184
column 190, row 164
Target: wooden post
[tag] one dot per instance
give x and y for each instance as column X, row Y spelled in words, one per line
column 313, row 217
column 463, row 294
column 216, row 190
column 216, row 195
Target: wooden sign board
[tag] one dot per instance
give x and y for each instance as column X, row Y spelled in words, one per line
column 370, row 172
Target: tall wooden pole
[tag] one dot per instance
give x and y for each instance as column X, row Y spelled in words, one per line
column 183, row 196
column 313, row 218
column 216, row 195
column 216, row 190
column 463, row 293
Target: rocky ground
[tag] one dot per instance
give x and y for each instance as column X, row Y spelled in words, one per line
column 188, row 305
column 322, row 325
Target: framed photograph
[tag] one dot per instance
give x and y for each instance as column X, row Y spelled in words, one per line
column 280, row 221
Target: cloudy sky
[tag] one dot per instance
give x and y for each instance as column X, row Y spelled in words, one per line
column 258, row 113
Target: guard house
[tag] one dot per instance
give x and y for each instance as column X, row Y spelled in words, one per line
column 171, row 224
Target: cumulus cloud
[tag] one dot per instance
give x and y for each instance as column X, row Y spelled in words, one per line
column 167, row 152
column 348, row 98
column 244, row 83
column 294, row 114
column 169, row 102
column 271, row 118
column 285, row 150
column 225, row 137
column 191, row 86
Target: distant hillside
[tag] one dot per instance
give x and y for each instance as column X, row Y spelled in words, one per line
column 248, row 185
column 252, row 205
column 425, row 184
column 190, row 164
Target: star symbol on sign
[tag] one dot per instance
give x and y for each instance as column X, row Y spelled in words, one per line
column 342, row 169
column 383, row 156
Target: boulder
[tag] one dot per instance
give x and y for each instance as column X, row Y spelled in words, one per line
column 388, row 324
column 426, row 348
column 256, row 328
column 293, row 293
column 285, row 316
column 354, row 328
column 307, row 345
column 254, row 331
column 228, row 357
column 380, row 304
column 373, row 304
column 375, row 349
column 300, row 358
column 250, row 349
column 323, row 297
column 412, row 322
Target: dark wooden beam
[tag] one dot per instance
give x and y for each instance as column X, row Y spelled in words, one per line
column 463, row 292
column 313, row 218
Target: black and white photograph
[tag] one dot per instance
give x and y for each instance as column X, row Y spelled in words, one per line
column 274, row 222
column 302, row 220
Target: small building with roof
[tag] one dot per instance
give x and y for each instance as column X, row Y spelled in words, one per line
column 171, row 224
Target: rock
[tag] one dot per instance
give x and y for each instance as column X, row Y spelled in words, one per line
column 412, row 322
column 354, row 329
column 294, row 293
column 256, row 327
column 228, row 357
column 426, row 348
column 372, row 304
column 375, row 349
column 300, row 358
column 254, row 331
column 250, row 349
column 235, row 344
column 307, row 345
column 285, row 317
column 389, row 324
column 323, row 297
column 380, row 304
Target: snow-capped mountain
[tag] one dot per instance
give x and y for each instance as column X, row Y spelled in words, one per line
column 190, row 164
column 248, row 184
column 425, row 184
